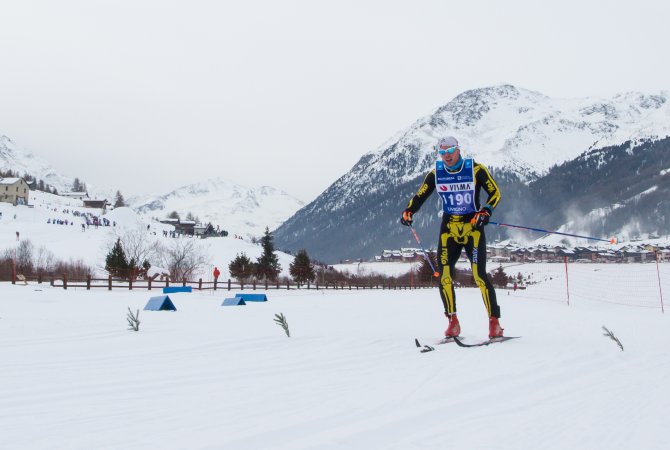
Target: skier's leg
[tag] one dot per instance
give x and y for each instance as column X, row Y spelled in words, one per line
column 448, row 250
column 476, row 250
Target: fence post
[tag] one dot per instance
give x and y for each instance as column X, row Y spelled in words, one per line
column 183, row 282
column 288, row 287
column 64, row 281
column 308, row 288
column 316, row 284
column 567, row 285
column 215, row 281
column 88, row 282
column 149, row 283
column 200, row 284
column 228, row 283
column 130, row 283
column 266, row 284
column 658, row 273
column 253, row 284
column 241, row 285
column 109, row 283
column 167, row 281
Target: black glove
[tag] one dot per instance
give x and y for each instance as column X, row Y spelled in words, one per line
column 406, row 218
column 480, row 219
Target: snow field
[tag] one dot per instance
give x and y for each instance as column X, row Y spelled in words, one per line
column 350, row 376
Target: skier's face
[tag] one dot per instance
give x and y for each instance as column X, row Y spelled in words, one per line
column 451, row 159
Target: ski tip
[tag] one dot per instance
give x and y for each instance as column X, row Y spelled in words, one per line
column 613, row 241
column 416, row 341
column 436, row 274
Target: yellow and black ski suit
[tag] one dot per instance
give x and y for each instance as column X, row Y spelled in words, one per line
column 456, row 233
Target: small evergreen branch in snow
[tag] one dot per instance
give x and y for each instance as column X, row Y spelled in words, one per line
column 610, row 335
column 281, row 321
column 133, row 320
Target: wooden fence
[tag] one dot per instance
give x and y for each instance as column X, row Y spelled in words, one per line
column 110, row 283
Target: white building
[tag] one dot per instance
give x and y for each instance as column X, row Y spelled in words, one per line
column 14, row 191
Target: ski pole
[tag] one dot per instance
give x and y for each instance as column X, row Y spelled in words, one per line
column 436, row 274
column 611, row 241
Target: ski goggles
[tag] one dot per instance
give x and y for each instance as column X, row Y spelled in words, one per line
column 446, row 150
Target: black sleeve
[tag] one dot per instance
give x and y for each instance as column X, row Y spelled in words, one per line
column 427, row 188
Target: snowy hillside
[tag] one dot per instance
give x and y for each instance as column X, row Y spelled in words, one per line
column 238, row 209
column 91, row 244
column 348, row 378
column 241, row 210
column 526, row 132
column 17, row 159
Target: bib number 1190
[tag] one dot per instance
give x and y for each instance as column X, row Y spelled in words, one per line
column 459, row 199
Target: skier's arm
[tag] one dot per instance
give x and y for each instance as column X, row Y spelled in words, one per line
column 427, row 188
column 485, row 180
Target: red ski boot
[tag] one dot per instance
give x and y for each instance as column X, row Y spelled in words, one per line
column 495, row 330
column 454, row 327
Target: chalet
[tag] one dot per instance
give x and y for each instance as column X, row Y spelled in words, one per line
column 94, row 203
column 565, row 253
column 185, row 227
column 586, row 253
column 544, row 254
column 199, row 230
column 14, row 191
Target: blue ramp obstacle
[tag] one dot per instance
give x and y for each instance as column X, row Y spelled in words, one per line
column 252, row 297
column 235, row 301
column 160, row 303
column 173, row 289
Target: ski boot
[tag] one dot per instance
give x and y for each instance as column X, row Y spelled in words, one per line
column 454, row 328
column 495, row 330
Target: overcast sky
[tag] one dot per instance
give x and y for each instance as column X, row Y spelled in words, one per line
column 145, row 96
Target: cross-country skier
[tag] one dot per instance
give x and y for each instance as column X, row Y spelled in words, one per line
column 459, row 182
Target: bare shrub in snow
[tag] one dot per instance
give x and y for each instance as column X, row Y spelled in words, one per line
column 133, row 320
column 183, row 258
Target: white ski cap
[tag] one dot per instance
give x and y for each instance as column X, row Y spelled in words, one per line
column 447, row 142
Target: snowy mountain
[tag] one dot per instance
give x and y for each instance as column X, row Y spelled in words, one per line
column 238, row 209
column 16, row 158
column 519, row 134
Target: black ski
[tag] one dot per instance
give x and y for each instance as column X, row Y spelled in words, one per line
column 487, row 342
column 424, row 348
column 428, row 348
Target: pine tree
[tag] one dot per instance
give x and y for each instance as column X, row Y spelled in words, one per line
column 499, row 277
column 76, row 186
column 119, row 201
column 301, row 268
column 115, row 262
column 267, row 265
column 173, row 215
column 241, row 268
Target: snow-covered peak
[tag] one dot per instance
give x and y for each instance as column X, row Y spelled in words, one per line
column 236, row 208
column 525, row 131
column 17, row 159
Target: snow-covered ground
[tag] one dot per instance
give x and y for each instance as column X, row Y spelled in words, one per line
column 349, row 377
